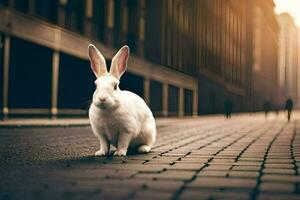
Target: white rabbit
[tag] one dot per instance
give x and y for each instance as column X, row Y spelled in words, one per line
column 117, row 117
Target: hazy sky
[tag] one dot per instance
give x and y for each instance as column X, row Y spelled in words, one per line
column 290, row 6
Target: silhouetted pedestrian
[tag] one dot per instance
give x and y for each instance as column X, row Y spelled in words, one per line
column 277, row 111
column 228, row 108
column 289, row 107
column 267, row 107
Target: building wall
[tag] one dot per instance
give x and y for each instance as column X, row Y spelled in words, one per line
column 232, row 44
column 221, row 53
column 2, row 70
column 58, row 77
column 170, row 34
column 298, row 84
column 222, row 47
column 205, row 39
column 288, row 56
column 265, row 55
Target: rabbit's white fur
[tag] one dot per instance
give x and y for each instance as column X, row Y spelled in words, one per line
column 117, row 117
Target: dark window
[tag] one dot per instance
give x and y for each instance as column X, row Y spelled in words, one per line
column 173, row 94
column 76, row 82
column 22, row 6
column 118, row 23
column 156, row 97
column 29, row 75
column 47, row 9
column 4, row 3
column 99, row 19
column 132, row 83
column 133, row 24
column 75, row 14
column 1, row 68
column 212, row 102
column 188, row 102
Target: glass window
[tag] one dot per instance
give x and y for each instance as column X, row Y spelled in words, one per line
column 30, row 85
column 76, row 82
column 173, row 95
column 188, row 102
column 47, row 9
column 75, row 12
column 156, row 97
column 22, row 6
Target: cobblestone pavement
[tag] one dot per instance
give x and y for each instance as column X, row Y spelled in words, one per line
column 245, row 157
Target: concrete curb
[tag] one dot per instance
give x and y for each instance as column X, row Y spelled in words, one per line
column 67, row 122
column 17, row 123
column 22, row 123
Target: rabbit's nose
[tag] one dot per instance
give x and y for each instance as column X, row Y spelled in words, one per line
column 102, row 99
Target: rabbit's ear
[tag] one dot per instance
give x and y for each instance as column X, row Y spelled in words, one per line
column 119, row 62
column 98, row 64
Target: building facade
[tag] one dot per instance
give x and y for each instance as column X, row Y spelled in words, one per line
column 45, row 65
column 221, row 48
column 188, row 56
column 232, row 44
column 204, row 38
column 288, row 56
column 265, row 46
column 298, row 84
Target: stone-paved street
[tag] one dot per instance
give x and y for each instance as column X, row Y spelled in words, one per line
column 245, row 157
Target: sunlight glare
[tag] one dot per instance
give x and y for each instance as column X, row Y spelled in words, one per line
column 290, row 6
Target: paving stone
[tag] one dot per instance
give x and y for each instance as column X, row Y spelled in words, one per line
column 138, row 167
column 218, row 167
column 281, row 178
column 278, row 197
column 145, row 195
column 279, row 166
column 219, row 160
column 186, row 166
column 171, row 154
column 277, row 187
column 212, row 182
column 279, row 171
column 168, row 175
column 162, row 185
column 250, row 159
column 216, row 173
column 278, row 161
column 243, row 174
column 124, row 184
column 193, row 160
column 207, row 158
column 191, row 194
column 246, row 168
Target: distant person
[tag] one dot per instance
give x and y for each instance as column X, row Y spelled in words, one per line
column 228, row 108
column 267, row 107
column 277, row 110
column 289, row 107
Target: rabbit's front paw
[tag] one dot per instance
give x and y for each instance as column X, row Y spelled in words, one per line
column 144, row 149
column 120, row 152
column 101, row 152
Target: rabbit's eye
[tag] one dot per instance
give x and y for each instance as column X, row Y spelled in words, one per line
column 115, row 87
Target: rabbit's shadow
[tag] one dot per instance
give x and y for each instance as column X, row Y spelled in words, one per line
column 92, row 159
